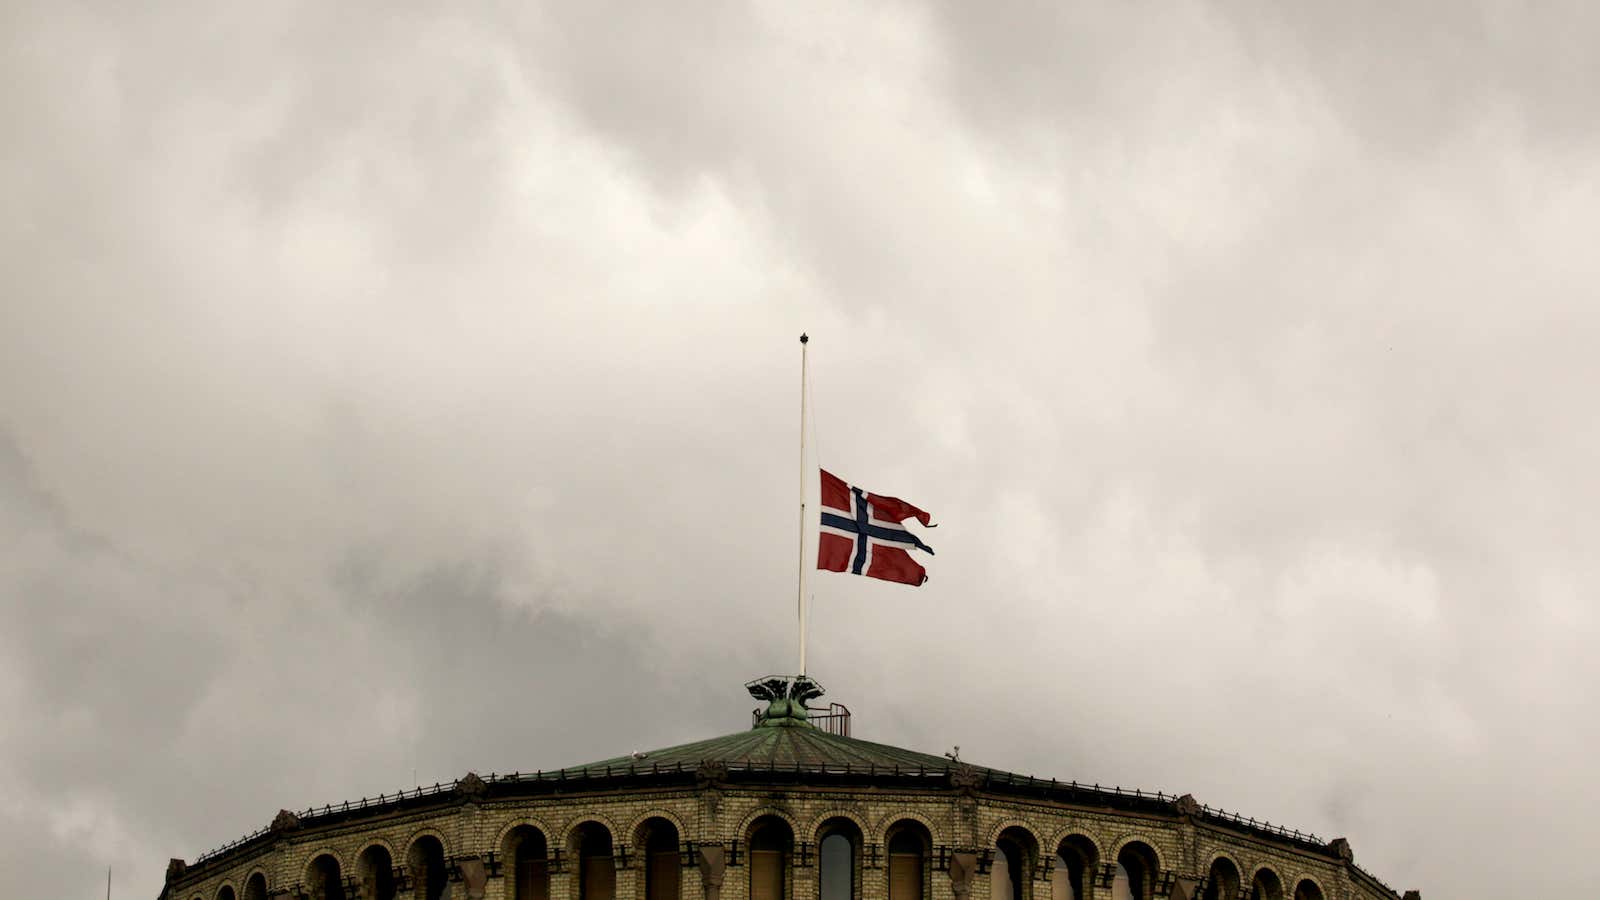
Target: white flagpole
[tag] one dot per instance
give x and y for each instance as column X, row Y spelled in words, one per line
column 800, row 594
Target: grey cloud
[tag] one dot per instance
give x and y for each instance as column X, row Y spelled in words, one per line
column 1404, row 78
column 367, row 374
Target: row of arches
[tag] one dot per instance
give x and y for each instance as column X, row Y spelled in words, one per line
column 1223, row 882
column 255, row 888
column 1075, row 867
column 426, row 871
column 769, row 850
column 1135, row 874
column 840, row 859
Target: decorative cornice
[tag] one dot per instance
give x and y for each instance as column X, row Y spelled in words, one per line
column 472, row 787
column 1186, row 806
column 966, row 779
column 1340, row 848
column 711, row 775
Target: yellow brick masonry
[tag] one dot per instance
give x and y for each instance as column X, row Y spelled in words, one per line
column 716, row 816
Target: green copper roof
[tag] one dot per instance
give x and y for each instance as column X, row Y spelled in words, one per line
column 783, row 748
column 783, row 738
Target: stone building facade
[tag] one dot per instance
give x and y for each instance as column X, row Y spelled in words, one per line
column 789, row 810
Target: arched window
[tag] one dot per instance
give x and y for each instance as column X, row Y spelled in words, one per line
column 770, row 843
column 429, row 876
column 322, row 878
column 225, row 893
column 837, row 848
column 376, row 870
column 1076, row 858
column 1002, row 884
column 1222, row 882
column 1307, row 890
column 529, row 858
column 1136, row 872
column 597, row 871
column 1266, row 885
column 909, row 846
column 1013, row 864
column 663, row 872
column 255, row 887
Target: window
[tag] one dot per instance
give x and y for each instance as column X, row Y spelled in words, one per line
column 429, row 877
column 323, row 879
column 530, row 863
column 770, row 842
column 1223, row 881
column 376, row 872
column 1077, row 860
column 836, row 856
column 597, row 872
column 1266, row 886
column 1137, row 866
column 256, row 887
column 663, row 872
column 906, row 850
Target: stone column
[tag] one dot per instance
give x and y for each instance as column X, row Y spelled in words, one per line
column 474, row 878
column 963, row 875
column 712, row 861
column 1184, row 888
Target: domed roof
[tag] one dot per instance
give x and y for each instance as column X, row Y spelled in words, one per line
column 785, row 738
column 789, row 743
column 805, row 748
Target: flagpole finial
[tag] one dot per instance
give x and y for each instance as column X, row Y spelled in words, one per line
column 803, row 337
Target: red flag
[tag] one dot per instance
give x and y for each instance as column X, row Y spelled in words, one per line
column 862, row 534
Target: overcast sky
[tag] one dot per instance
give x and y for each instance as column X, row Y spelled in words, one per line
column 393, row 388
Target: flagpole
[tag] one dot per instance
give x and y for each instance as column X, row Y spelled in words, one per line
column 800, row 593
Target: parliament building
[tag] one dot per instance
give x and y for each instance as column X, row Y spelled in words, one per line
column 792, row 809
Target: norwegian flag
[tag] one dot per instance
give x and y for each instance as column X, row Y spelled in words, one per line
column 862, row 534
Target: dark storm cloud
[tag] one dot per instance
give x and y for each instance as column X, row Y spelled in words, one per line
column 411, row 389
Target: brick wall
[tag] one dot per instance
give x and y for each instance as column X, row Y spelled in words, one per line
column 1181, row 845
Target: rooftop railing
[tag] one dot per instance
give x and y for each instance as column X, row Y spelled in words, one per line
column 1222, row 815
column 1376, row 880
column 834, row 720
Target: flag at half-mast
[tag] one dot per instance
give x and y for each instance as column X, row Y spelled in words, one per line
column 862, row 533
